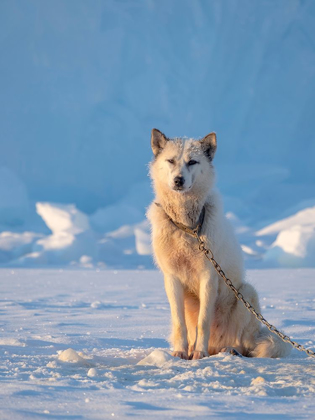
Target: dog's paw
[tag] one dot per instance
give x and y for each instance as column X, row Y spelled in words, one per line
column 196, row 355
column 231, row 350
column 180, row 354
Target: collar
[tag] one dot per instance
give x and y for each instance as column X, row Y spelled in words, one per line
column 194, row 231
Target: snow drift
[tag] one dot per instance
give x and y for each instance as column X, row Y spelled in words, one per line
column 295, row 240
column 76, row 239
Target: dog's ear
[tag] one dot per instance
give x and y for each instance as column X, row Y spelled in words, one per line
column 158, row 141
column 209, row 145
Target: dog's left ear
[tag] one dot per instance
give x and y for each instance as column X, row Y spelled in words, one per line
column 209, row 145
column 158, row 141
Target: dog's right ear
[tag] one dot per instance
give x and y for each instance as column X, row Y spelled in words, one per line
column 209, row 145
column 158, row 141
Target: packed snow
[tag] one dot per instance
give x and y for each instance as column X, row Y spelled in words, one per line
column 92, row 344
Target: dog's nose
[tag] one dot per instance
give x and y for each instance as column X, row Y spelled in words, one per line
column 179, row 181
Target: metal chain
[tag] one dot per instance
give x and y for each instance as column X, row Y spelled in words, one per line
column 209, row 255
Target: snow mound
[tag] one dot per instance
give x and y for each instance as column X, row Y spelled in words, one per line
column 71, row 356
column 71, row 238
column 63, row 218
column 92, row 373
column 156, row 358
column 305, row 217
column 294, row 245
column 75, row 241
column 11, row 342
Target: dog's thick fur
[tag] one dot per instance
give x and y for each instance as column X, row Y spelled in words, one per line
column 206, row 316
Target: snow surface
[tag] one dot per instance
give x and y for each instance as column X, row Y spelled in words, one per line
column 92, row 344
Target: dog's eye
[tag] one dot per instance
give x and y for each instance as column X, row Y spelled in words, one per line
column 171, row 161
column 192, row 162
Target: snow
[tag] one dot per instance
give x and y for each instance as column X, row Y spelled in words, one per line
column 92, row 344
column 294, row 240
column 157, row 358
column 76, row 122
column 81, row 342
column 293, row 247
column 73, row 238
column 143, row 239
column 305, row 217
column 98, row 77
column 14, row 245
column 71, row 356
column 63, row 218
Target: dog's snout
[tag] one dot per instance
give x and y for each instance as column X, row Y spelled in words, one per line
column 179, row 181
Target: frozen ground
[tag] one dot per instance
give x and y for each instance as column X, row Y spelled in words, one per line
column 116, row 323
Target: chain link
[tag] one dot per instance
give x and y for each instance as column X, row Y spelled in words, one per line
column 209, row 255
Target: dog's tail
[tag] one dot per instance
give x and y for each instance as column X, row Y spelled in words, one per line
column 270, row 345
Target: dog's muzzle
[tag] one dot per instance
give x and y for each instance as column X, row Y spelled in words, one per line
column 179, row 182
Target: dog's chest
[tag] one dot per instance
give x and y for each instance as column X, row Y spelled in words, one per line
column 178, row 254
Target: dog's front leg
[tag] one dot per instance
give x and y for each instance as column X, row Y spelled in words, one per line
column 175, row 293
column 207, row 296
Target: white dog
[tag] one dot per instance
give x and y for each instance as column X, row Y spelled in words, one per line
column 206, row 316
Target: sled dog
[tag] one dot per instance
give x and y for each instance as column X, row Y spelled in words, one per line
column 206, row 316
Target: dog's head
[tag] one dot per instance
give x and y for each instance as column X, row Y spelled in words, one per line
column 183, row 164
